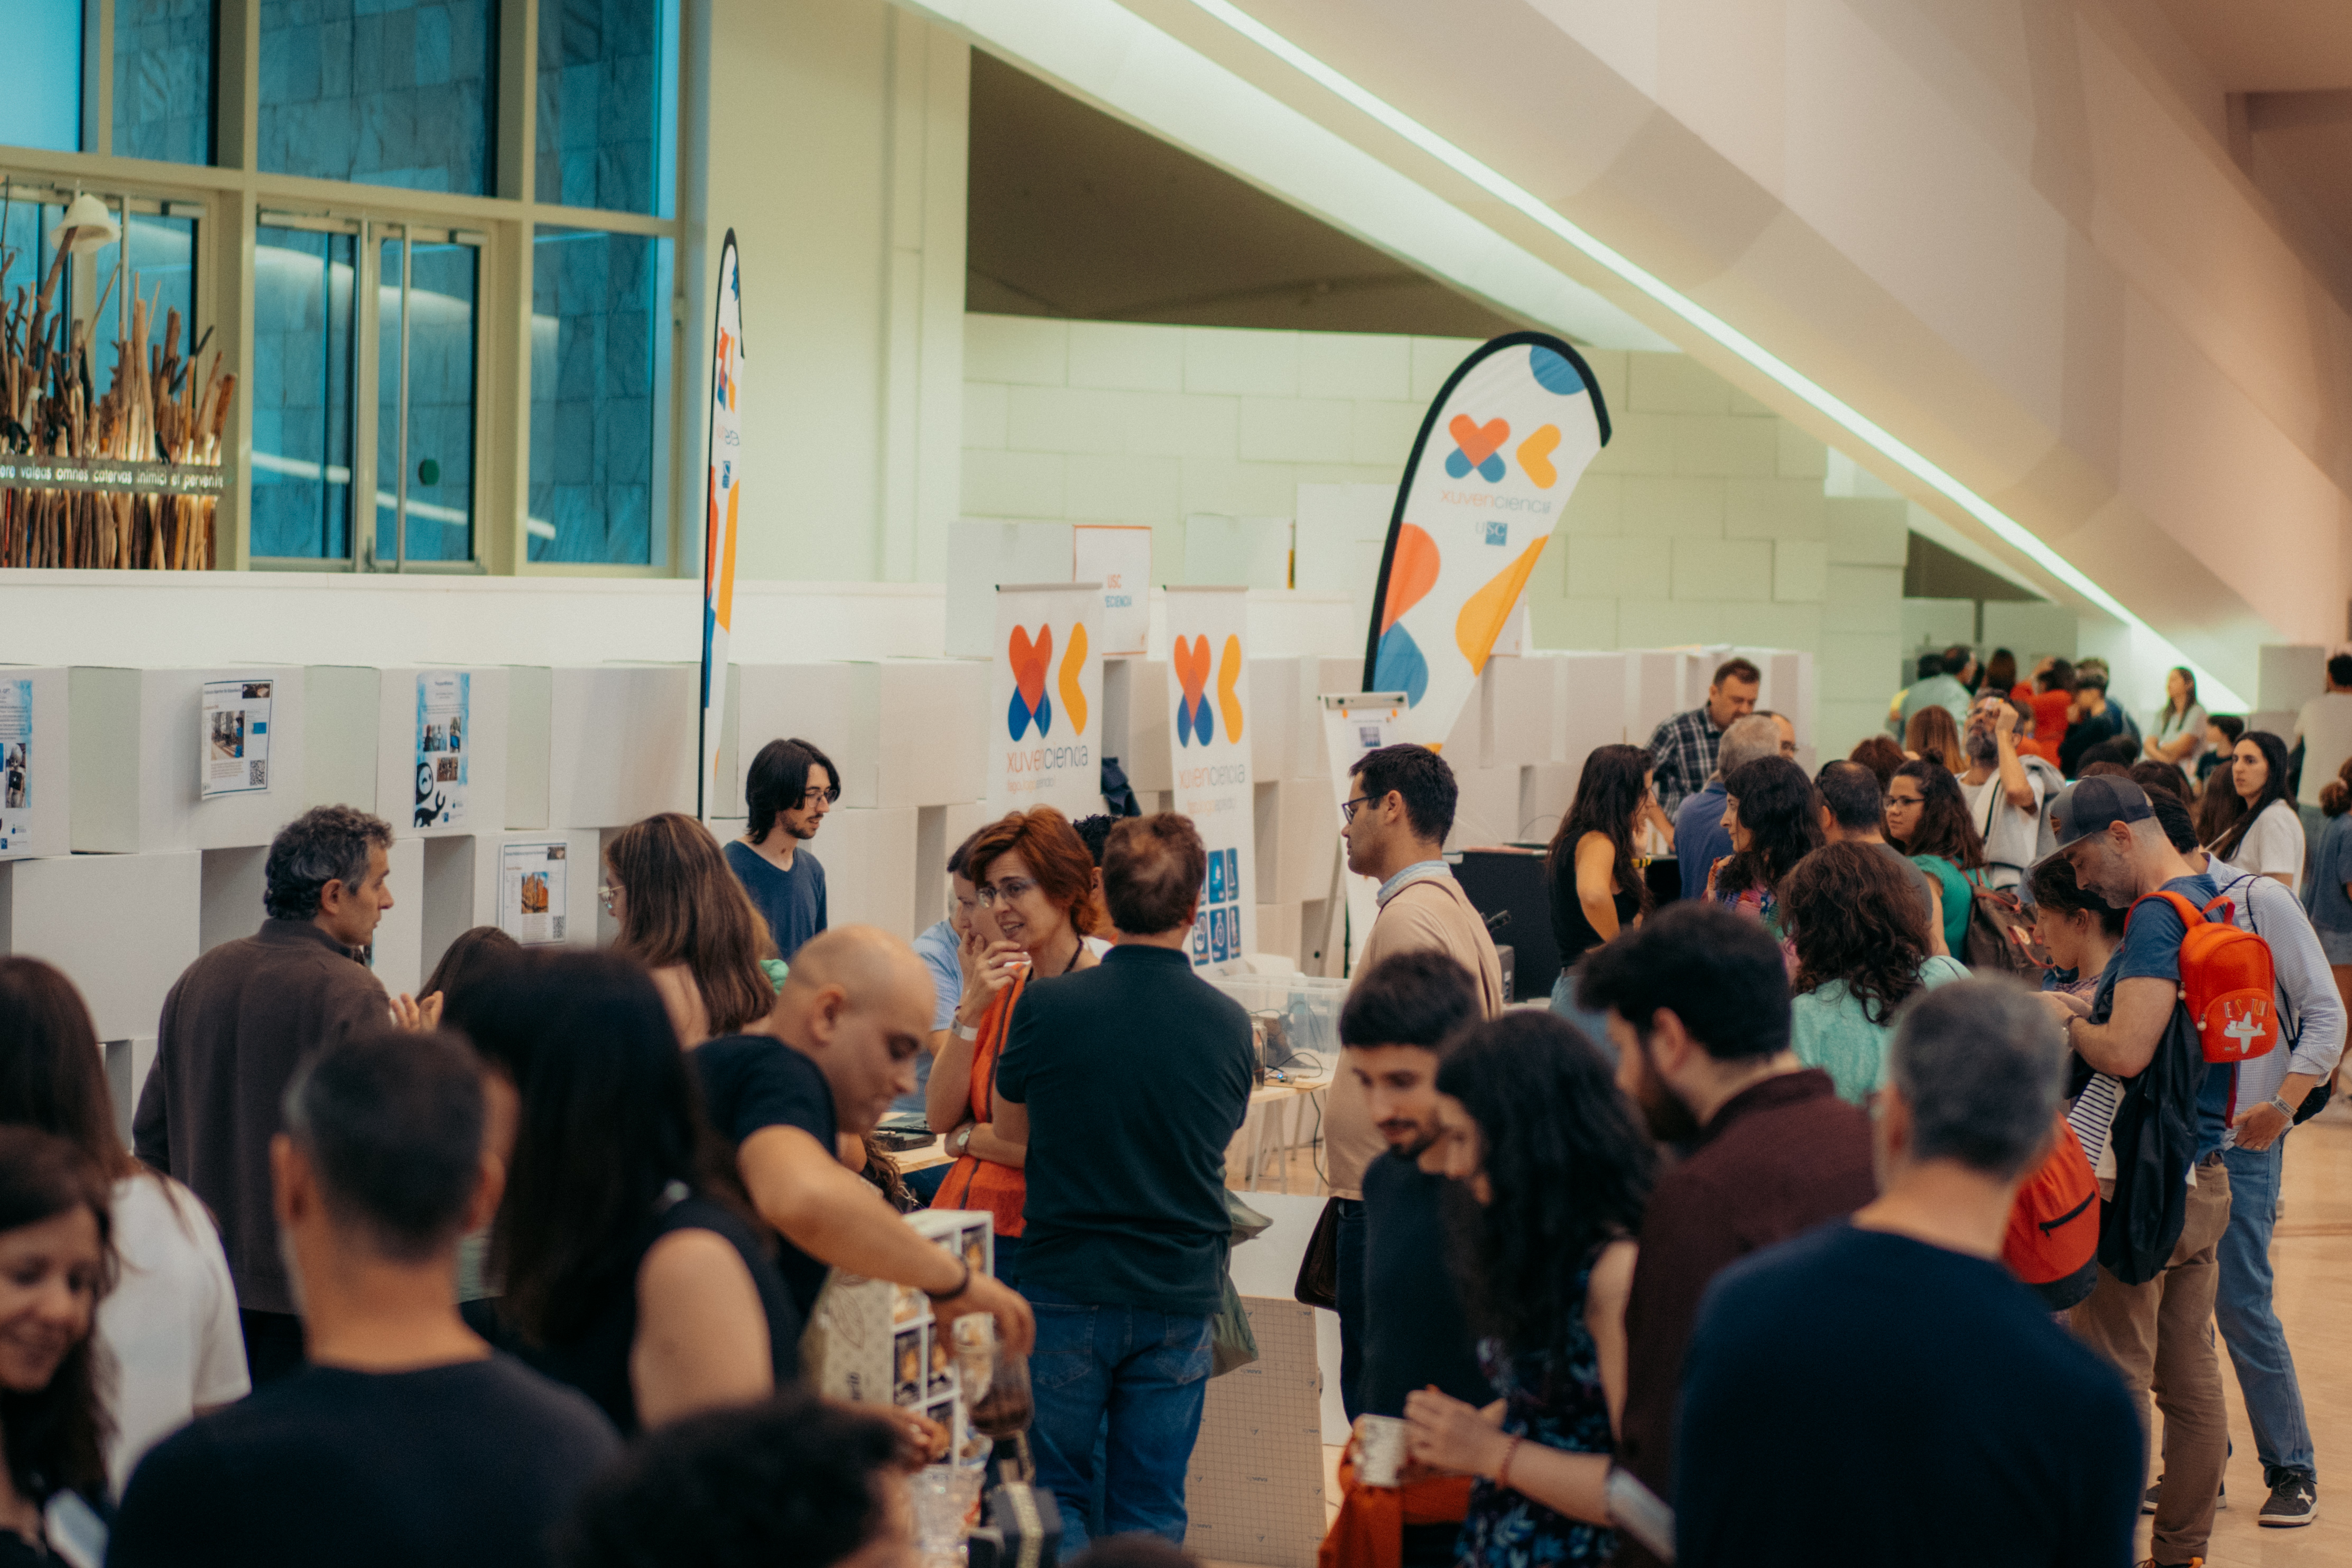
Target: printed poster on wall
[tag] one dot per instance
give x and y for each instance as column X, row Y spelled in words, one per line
column 15, row 762
column 443, row 741
column 1498, row 457
column 1354, row 723
column 531, row 892
column 1118, row 556
column 232, row 749
column 1206, row 678
column 1044, row 699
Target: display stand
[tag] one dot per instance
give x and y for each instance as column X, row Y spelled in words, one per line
column 122, row 927
column 35, row 762
column 1136, row 724
column 620, row 742
column 869, row 868
column 139, row 745
column 365, row 745
column 398, row 954
column 531, row 699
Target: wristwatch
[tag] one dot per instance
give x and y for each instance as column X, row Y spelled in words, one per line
column 961, row 1139
column 2278, row 1103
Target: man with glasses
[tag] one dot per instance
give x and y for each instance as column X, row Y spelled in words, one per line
column 791, row 787
column 1399, row 806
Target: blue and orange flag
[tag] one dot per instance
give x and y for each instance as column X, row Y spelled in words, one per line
column 1498, row 457
column 722, row 494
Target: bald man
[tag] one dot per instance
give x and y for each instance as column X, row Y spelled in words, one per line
column 839, row 1046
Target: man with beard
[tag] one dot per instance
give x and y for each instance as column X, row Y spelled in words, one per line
column 2005, row 790
column 1697, row 999
column 1393, row 1029
column 787, row 792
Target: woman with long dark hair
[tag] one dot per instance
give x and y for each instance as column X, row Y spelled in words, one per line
column 1037, row 906
column 1552, row 1172
column 170, row 1325
column 627, row 1259
column 685, row 916
column 1597, row 890
column 1774, row 818
column 56, row 1264
column 1862, row 952
column 1928, row 817
column 2267, row 837
column 2000, row 673
column 2180, row 732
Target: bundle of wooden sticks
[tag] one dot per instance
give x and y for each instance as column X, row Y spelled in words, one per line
column 155, row 412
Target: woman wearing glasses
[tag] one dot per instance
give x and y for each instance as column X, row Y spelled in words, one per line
column 1036, row 907
column 684, row 916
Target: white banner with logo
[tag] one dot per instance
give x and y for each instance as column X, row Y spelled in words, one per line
column 1044, row 699
column 1353, row 724
column 1206, row 682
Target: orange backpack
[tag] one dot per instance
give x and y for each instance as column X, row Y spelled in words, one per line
column 2053, row 1228
column 2226, row 982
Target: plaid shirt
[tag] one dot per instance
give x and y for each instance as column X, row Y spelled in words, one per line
column 1683, row 751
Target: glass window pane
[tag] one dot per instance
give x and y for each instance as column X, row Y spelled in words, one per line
column 42, row 106
column 160, row 269
column 382, row 91
column 606, row 70
column 442, row 278
column 302, row 368
column 164, row 79
column 595, row 301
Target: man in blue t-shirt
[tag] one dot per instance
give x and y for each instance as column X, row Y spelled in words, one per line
column 790, row 787
column 2155, row 1328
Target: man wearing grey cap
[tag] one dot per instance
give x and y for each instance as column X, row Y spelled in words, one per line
column 2161, row 1171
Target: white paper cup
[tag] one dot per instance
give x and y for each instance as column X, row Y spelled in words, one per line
column 1380, row 1449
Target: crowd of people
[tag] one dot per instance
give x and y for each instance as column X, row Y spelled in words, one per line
column 1896, row 1076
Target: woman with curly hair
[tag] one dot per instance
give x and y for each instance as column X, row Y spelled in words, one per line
column 1774, row 819
column 1597, row 891
column 1927, row 819
column 1860, row 954
column 1550, row 1172
column 1037, row 906
column 1933, row 734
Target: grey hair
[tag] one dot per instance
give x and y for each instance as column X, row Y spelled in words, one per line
column 1748, row 739
column 1981, row 1064
column 324, row 844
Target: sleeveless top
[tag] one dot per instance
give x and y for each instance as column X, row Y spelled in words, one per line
column 1552, row 1397
column 595, row 1358
column 1572, row 929
column 972, row 1182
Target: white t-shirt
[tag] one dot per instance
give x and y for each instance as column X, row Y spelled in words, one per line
column 2171, row 727
column 171, row 1320
column 2273, row 843
column 2015, row 834
column 2326, row 726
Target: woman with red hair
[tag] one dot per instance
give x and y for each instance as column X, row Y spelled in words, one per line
column 1037, row 906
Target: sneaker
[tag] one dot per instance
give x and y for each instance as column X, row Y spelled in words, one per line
column 2293, row 1502
column 2221, row 1499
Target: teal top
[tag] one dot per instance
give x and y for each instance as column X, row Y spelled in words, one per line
column 1833, row 1033
column 1958, row 897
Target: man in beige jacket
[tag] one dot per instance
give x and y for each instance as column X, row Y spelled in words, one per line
column 1399, row 810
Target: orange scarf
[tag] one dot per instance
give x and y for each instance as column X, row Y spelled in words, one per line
column 1369, row 1530
column 972, row 1182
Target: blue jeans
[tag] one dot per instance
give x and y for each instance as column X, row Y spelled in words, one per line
column 1148, row 1371
column 2241, row 1310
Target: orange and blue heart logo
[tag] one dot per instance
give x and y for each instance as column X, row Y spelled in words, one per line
column 1030, row 659
column 1191, row 659
column 1475, row 446
column 1229, row 688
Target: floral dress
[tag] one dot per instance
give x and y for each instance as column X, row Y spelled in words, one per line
column 1552, row 1397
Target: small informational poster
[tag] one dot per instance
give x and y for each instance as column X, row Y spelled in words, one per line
column 531, row 899
column 16, row 762
column 443, row 721
column 234, row 754
column 1118, row 556
column 1206, row 687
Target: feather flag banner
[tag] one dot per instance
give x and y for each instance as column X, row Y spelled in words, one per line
column 721, row 495
column 1499, row 454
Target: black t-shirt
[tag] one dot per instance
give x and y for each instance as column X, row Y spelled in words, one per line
column 1414, row 1332
column 1858, row 1398
column 471, row 1463
column 1136, row 1073
column 755, row 1081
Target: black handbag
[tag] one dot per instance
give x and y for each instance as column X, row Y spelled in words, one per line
column 1318, row 1271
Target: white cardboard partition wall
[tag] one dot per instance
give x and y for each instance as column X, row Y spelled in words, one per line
column 530, row 700
column 930, row 721
column 361, row 743
column 1520, row 694
column 1545, row 792
column 122, row 926
column 47, row 814
column 1653, row 690
column 1485, row 807
column 1136, row 725
column 816, row 701
column 980, row 556
column 869, row 867
column 126, row 1065
column 1592, row 707
column 621, row 741
column 1297, row 834
column 232, row 887
column 398, row 954
column 135, row 749
column 1274, row 709
column 454, row 904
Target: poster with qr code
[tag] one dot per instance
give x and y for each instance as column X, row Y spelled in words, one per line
column 16, row 760
column 443, row 719
column 233, row 743
column 531, row 892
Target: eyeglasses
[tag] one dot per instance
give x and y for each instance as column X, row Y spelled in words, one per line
column 811, row 795
column 1010, row 888
column 1347, row 809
